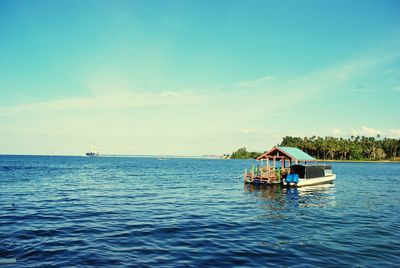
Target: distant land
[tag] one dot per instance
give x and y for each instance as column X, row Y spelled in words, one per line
column 355, row 148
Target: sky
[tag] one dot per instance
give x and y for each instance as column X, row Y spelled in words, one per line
column 194, row 77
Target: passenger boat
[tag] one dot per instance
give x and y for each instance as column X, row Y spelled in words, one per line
column 288, row 166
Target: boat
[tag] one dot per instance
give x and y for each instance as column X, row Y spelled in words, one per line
column 309, row 175
column 288, row 166
column 92, row 152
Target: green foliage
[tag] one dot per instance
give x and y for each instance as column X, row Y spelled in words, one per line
column 353, row 148
column 242, row 153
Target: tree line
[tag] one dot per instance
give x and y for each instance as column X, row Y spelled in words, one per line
column 331, row 148
column 242, row 153
column 353, row 148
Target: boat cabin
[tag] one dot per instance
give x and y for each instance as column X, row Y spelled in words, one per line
column 312, row 171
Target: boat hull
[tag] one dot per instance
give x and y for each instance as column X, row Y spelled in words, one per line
column 301, row 183
column 316, row 181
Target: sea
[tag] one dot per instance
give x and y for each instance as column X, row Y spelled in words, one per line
column 185, row 212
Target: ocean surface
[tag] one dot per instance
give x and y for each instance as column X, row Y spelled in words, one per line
column 175, row 212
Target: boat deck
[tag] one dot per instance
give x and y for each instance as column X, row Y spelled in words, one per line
column 263, row 176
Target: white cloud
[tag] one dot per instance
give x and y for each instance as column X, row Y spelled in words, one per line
column 337, row 132
column 394, row 133
column 127, row 100
column 366, row 131
column 256, row 82
column 247, row 131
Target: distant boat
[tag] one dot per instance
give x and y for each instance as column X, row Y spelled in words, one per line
column 92, row 152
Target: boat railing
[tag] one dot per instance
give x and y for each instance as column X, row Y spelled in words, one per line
column 266, row 174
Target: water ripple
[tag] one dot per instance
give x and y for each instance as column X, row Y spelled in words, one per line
column 115, row 212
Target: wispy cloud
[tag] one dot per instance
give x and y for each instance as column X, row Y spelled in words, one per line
column 126, row 100
column 108, row 94
column 337, row 132
column 256, row 82
column 366, row 131
column 394, row 133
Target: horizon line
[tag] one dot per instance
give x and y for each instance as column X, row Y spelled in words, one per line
column 210, row 156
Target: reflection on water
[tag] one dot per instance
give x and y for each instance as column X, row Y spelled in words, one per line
column 272, row 199
column 278, row 197
column 271, row 192
column 323, row 196
column 327, row 188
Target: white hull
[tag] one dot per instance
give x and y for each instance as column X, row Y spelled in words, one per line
column 305, row 182
column 316, row 181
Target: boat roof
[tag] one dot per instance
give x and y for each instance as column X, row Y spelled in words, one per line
column 291, row 153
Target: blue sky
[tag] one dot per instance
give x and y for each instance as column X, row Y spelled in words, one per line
column 194, row 77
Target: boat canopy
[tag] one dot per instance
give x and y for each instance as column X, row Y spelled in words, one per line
column 288, row 153
column 309, row 172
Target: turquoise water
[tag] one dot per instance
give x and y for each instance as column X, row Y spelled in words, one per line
column 116, row 212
